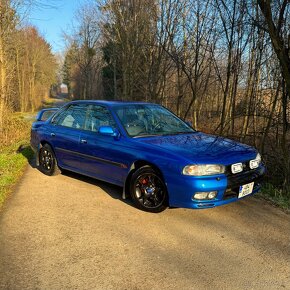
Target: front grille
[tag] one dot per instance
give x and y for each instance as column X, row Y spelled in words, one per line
column 234, row 192
column 230, row 193
column 247, row 176
column 235, row 180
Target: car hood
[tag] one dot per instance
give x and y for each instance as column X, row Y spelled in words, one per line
column 203, row 148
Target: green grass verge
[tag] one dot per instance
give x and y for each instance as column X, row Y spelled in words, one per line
column 12, row 164
column 276, row 196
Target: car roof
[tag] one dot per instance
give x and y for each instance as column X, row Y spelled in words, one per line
column 111, row 103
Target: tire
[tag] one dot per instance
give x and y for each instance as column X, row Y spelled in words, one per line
column 47, row 161
column 148, row 190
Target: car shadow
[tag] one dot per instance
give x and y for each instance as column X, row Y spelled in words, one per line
column 28, row 153
column 112, row 190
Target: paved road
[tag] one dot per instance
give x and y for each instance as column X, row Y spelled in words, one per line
column 70, row 232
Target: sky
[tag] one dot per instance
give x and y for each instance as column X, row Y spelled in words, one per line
column 54, row 19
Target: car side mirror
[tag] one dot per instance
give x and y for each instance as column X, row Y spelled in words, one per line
column 109, row 131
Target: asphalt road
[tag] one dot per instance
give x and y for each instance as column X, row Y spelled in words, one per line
column 70, row 232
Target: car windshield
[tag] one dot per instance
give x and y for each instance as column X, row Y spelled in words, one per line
column 149, row 120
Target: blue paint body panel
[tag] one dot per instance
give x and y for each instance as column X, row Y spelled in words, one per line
column 111, row 159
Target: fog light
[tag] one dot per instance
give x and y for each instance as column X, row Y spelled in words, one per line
column 212, row 194
column 205, row 195
column 200, row 195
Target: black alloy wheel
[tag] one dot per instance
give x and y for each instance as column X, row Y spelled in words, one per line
column 47, row 161
column 148, row 190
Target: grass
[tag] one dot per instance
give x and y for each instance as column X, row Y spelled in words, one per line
column 12, row 164
column 15, row 152
column 15, row 134
column 276, row 196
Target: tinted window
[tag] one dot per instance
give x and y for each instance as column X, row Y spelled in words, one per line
column 142, row 120
column 98, row 116
column 73, row 117
column 47, row 114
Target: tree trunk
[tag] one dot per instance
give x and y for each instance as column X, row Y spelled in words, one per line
column 270, row 118
column 277, row 42
column 2, row 85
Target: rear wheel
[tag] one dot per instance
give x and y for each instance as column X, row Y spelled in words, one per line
column 148, row 190
column 47, row 161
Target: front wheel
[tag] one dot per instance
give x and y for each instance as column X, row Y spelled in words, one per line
column 47, row 161
column 148, row 190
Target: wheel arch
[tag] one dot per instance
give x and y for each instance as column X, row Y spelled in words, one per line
column 134, row 166
column 40, row 145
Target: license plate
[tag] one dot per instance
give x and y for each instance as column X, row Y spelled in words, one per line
column 246, row 189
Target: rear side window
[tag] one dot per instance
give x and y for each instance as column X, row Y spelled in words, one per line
column 73, row 117
column 43, row 116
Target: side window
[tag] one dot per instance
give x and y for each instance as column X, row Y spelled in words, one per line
column 73, row 117
column 45, row 114
column 98, row 116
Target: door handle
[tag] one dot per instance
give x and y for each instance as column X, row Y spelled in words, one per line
column 83, row 141
column 52, row 134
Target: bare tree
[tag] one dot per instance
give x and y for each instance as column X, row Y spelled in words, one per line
column 83, row 59
column 209, row 61
column 27, row 66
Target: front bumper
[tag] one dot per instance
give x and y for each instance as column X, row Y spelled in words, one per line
column 181, row 189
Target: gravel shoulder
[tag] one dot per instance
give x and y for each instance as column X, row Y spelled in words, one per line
column 72, row 232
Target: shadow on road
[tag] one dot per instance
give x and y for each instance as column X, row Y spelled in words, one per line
column 28, row 153
column 112, row 190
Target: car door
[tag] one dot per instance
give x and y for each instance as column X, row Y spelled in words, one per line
column 65, row 131
column 104, row 154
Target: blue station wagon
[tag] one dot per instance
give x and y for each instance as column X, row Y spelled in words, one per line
column 157, row 158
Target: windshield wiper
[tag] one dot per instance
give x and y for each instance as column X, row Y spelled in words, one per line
column 147, row 135
column 163, row 134
column 178, row 133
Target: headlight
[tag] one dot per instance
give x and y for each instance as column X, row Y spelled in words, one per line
column 255, row 163
column 203, row 169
